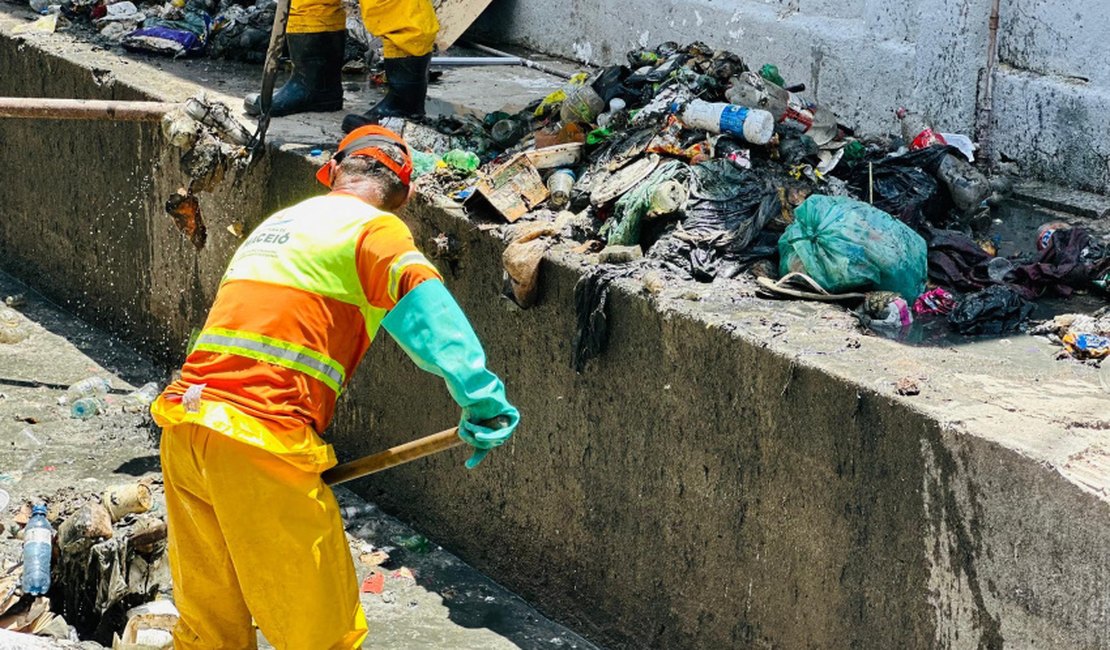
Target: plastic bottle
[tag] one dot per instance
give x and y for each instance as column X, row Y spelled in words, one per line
column 88, row 387
column 87, row 407
column 1044, row 233
column 616, row 105
column 144, row 395
column 998, row 268
column 967, row 186
column 11, row 326
column 753, row 125
column 40, row 6
column 466, row 161
column 917, row 130
column 559, row 184
column 37, row 546
column 508, row 131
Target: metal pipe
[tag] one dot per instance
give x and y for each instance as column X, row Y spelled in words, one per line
column 476, row 60
column 83, row 109
column 528, row 63
column 986, row 100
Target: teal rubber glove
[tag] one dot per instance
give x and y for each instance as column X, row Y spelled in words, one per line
column 431, row 328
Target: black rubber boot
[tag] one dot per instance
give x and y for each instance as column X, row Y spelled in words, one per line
column 406, row 80
column 316, row 84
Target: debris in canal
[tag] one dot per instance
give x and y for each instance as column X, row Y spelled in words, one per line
column 184, row 208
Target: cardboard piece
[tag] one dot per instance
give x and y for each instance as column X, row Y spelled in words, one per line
column 455, row 17
column 512, row 189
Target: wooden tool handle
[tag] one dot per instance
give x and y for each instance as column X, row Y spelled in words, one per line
column 393, row 456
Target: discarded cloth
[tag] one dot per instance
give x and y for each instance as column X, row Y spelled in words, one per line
column 1071, row 259
column 591, row 299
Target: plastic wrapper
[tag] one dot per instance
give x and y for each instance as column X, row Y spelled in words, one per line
column 1083, row 345
column 845, row 244
column 886, row 313
column 934, row 301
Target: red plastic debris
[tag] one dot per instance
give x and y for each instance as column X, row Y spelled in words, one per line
column 373, row 583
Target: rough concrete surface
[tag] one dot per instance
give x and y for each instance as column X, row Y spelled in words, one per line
column 864, row 58
column 731, row 472
column 430, row 598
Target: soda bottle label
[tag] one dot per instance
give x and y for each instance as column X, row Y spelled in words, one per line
column 927, row 138
column 37, row 535
column 732, row 119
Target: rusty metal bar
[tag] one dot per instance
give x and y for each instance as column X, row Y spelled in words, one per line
column 83, row 109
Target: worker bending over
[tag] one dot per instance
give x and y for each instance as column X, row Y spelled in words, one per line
column 253, row 530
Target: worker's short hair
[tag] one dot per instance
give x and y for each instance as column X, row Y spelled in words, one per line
column 372, row 168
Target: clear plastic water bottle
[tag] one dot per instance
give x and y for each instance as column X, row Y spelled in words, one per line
column 37, row 546
column 87, row 407
column 89, row 387
column 144, row 396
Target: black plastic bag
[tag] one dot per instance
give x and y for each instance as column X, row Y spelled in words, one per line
column 994, row 310
column 904, row 186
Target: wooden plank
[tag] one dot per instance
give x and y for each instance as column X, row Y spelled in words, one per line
column 455, row 16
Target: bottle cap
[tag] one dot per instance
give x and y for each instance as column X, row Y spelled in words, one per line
column 759, row 126
column 38, row 509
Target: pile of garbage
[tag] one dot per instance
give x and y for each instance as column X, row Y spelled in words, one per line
column 97, row 577
column 688, row 162
column 238, row 30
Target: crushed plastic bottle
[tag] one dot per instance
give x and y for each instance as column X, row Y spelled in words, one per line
column 416, row 543
column 12, row 328
column 38, row 538
column 998, row 268
column 466, row 161
column 87, row 407
column 88, row 387
column 143, row 397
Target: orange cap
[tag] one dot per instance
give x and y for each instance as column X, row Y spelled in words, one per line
column 367, row 141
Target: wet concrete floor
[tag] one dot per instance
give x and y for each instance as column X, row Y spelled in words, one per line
column 430, row 599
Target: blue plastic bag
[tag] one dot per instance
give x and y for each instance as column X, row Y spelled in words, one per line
column 846, row 244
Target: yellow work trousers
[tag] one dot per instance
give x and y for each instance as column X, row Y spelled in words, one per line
column 252, row 535
column 406, row 27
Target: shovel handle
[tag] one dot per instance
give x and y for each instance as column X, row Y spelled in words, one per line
column 393, row 456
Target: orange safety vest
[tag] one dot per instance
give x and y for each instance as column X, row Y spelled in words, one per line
column 297, row 308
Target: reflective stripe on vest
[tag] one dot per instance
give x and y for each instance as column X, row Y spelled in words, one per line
column 275, row 351
column 397, row 269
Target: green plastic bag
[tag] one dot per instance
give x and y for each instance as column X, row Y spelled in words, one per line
column 846, row 244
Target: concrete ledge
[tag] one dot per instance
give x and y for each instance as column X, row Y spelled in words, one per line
column 732, row 472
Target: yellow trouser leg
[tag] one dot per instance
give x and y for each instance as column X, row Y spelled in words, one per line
column 406, row 27
column 282, row 530
column 206, row 589
column 312, row 16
